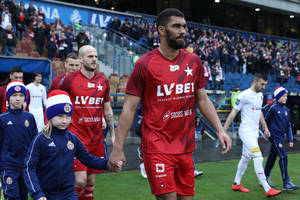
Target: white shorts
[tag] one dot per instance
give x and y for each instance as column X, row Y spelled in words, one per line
column 250, row 143
column 39, row 120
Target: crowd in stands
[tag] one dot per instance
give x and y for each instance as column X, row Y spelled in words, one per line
column 17, row 22
column 221, row 51
column 225, row 51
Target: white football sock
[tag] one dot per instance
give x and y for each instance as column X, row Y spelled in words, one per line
column 259, row 170
column 242, row 166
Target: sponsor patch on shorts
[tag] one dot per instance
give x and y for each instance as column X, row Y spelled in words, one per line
column 255, row 149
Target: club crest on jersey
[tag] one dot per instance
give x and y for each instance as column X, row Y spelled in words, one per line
column 9, row 181
column 26, row 123
column 70, row 145
column 91, row 85
column 160, row 167
column 188, row 70
column 174, row 68
column 17, row 88
column 67, row 108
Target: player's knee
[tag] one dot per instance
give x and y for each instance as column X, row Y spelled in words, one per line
column 283, row 157
column 255, row 153
column 168, row 196
column 80, row 181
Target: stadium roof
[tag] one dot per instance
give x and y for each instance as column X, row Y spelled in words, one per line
column 288, row 7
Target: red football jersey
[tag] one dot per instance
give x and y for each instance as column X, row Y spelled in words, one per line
column 167, row 88
column 87, row 96
column 56, row 82
column 3, row 102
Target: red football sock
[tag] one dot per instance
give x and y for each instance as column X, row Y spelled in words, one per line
column 80, row 192
column 89, row 192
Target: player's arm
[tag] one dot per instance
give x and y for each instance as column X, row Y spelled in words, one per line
column 126, row 118
column 230, row 118
column 264, row 124
column 208, row 110
column 109, row 119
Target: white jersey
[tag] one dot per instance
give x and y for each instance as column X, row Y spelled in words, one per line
column 37, row 97
column 250, row 104
column 37, row 100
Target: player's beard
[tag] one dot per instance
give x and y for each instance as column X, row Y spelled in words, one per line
column 173, row 43
column 88, row 68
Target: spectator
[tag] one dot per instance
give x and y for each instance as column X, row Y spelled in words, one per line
column 6, row 18
column 207, row 75
column 31, row 13
column 234, row 61
column 217, row 75
column 51, row 48
column 39, row 37
column 20, row 25
column 78, row 25
column 8, row 41
column 69, row 39
column 82, row 39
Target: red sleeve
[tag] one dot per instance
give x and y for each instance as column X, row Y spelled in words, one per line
column 200, row 81
column 28, row 100
column 54, row 84
column 137, row 80
column 66, row 84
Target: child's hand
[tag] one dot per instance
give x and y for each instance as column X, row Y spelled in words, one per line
column 42, row 198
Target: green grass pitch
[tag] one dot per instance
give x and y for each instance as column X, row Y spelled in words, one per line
column 215, row 184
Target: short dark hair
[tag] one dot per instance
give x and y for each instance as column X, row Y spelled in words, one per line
column 258, row 76
column 163, row 17
column 16, row 69
column 37, row 73
column 72, row 55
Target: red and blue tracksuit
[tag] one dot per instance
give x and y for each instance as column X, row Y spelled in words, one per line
column 17, row 130
column 48, row 165
column 278, row 121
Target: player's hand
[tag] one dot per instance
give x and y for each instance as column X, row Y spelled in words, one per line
column 113, row 168
column 291, row 144
column 117, row 159
column 42, row 198
column 104, row 124
column 267, row 133
column 225, row 141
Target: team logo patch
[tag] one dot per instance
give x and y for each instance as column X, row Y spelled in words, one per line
column 67, row 108
column 91, row 85
column 174, row 68
column 42, row 90
column 255, row 149
column 70, row 145
column 237, row 102
column 167, row 115
column 160, row 167
column 17, row 88
column 26, row 123
column 9, row 181
column 280, row 145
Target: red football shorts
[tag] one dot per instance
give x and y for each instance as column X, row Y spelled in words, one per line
column 95, row 150
column 170, row 173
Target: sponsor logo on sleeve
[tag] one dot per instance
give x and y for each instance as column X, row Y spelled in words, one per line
column 237, row 102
